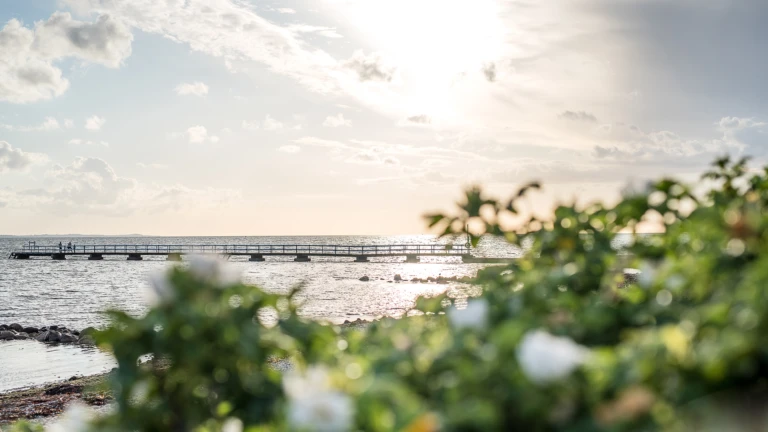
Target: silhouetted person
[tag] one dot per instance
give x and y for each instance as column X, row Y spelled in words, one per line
column 69, row 246
column 59, row 246
column 74, row 248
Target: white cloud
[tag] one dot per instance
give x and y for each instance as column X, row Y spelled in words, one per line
column 579, row 116
column 151, row 165
column 15, row 159
column 91, row 185
column 286, row 10
column 337, row 121
column 49, row 124
column 28, row 55
column 195, row 89
column 197, row 134
column 271, row 124
column 94, row 122
column 78, row 141
column 69, row 123
column 250, row 125
column 289, row 149
column 226, row 29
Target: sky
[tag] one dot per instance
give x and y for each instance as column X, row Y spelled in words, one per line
column 234, row 117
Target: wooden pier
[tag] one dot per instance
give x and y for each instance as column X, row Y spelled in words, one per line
column 301, row 253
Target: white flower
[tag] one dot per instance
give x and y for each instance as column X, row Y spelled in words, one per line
column 214, row 270
column 75, row 419
column 545, row 358
column 160, row 289
column 475, row 315
column 313, row 405
column 232, row 424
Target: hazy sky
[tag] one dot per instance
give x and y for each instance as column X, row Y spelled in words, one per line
column 227, row 117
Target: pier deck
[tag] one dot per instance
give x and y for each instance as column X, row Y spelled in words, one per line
column 136, row 252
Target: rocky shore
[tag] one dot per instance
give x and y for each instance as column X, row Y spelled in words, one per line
column 438, row 280
column 49, row 334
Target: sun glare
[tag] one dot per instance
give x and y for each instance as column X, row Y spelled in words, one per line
column 433, row 43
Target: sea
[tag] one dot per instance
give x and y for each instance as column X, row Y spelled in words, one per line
column 76, row 292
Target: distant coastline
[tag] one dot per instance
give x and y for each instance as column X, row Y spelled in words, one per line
column 69, row 235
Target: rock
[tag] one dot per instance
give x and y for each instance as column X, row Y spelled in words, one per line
column 30, row 330
column 43, row 336
column 415, row 279
column 21, row 336
column 87, row 331
column 16, row 327
column 430, row 279
column 86, row 340
column 398, row 278
column 76, row 333
column 365, row 278
column 53, row 327
column 67, row 338
column 7, row 335
column 53, row 336
column 44, row 328
column 3, row 327
column 73, row 378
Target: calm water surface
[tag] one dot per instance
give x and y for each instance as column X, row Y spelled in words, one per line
column 75, row 292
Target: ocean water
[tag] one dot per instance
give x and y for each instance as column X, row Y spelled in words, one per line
column 75, row 292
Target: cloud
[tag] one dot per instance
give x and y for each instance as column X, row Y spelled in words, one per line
column 15, row 159
column 370, row 67
column 27, row 56
column 286, row 10
column 579, row 116
column 199, row 134
column 337, row 121
column 69, row 123
column 78, row 141
column 329, row 32
column 271, row 124
column 250, row 125
column 230, row 30
column 289, row 149
column 196, row 88
column 90, row 185
column 421, row 120
column 489, row 70
column 151, row 165
column 94, row 122
column 49, row 124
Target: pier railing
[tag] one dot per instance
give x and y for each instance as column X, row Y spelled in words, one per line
column 263, row 249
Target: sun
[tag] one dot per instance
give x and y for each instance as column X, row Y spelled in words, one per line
column 433, row 43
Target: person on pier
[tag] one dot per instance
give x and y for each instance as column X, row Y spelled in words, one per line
column 60, row 246
column 69, row 246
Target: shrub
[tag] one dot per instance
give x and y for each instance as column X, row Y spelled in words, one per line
column 557, row 341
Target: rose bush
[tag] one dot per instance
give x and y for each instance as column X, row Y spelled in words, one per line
column 560, row 339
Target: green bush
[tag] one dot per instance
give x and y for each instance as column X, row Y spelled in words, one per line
column 557, row 341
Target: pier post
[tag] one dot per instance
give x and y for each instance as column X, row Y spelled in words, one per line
column 257, row 258
column 134, row 257
column 95, row 257
column 411, row 258
column 174, row 257
column 59, row 257
column 361, row 258
column 21, row 256
column 302, row 258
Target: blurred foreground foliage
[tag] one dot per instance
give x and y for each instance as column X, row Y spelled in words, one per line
column 559, row 339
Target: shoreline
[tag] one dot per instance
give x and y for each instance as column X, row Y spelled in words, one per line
column 51, row 399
